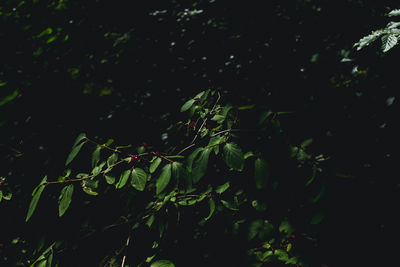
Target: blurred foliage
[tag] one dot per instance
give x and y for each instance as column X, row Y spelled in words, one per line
column 113, row 71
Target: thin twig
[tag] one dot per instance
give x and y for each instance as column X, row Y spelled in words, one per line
column 186, row 148
column 109, row 148
column 83, row 178
column 126, row 245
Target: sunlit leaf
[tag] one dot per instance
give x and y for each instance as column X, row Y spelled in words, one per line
column 123, row 179
column 112, row 159
column 109, row 142
column 187, row 105
column 65, row 199
column 261, row 172
column 110, row 179
column 233, row 156
column 395, row 12
column 8, row 98
column 248, row 155
column 80, row 137
column 388, row 42
column 222, row 188
column 155, row 164
column 164, row 178
column 73, row 153
column 139, row 178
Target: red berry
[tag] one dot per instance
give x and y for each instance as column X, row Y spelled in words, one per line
column 197, row 99
column 144, row 144
column 192, row 124
column 2, row 182
column 134, row 158
column 157, row 153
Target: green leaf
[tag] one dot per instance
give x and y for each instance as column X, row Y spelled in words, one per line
column 50, row 260
column 154, row 165
column 366, row 40
column 47, row 31
column 222, row 188
column 44, row 180
column 199, row 95
column 261, row 172
column 200, row 165
column 65, row 199
column 110, row 179
column 80, row 137
column 109, row 142
column 216, row 140
column 35, row 199
column 212, row 208
column 73, row 153
column 231, row 206
column 221, row 116
column 8, row 98
column 112, row 159
column 248, row 155
column 96, row 156
column 234, row 156
column 89, row 191
column 51, row 39
column 8, row 196
column 306, row 143
column 164, row 178
column 139, row 178
column 286, row 227
column 123, row 179
column 97, row 170
column 191, row 158
column 246, row 107
column 281, row 255
column 150, row 221
column 218, row 118
column 187, row 105
column 395, row 12
column 162, row 263
column 178, row 170
column 388, row 42
column 1, row 195
column 141, row 149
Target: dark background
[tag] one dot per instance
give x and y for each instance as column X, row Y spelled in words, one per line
column 124, row 71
